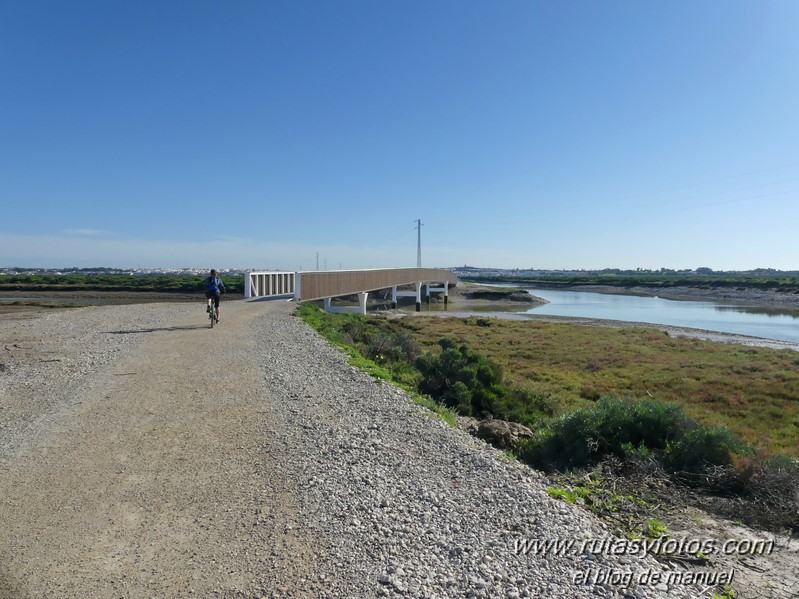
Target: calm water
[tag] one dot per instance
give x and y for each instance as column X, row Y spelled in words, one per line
column 743, row 320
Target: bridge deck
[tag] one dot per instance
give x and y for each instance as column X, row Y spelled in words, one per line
column 316, row 285
column 320, row 285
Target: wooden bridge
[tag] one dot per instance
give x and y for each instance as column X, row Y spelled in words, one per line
column 326, row 285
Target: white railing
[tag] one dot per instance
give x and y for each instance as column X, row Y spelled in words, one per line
column 269, row 284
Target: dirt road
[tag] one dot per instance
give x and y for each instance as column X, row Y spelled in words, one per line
column 147, row 485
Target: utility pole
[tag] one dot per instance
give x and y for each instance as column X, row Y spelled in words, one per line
column 419, row 243
column 317, row 260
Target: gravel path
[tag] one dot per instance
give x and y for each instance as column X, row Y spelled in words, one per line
column 143, row 454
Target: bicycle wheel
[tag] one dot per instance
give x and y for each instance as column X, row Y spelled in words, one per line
column 212, row 316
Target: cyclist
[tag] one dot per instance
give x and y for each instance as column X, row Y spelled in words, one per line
column 213, row 288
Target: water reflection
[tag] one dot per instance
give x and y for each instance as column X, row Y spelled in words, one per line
column 766, row 310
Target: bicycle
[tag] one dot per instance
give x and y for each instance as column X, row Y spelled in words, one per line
column 213, row 314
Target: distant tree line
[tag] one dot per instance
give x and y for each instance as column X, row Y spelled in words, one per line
column 133, row 283
column 782, row 281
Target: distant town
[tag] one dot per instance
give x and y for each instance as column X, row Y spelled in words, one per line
column 471, row 271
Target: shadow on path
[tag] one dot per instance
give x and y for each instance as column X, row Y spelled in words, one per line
column 154, row 330
column 271, row 298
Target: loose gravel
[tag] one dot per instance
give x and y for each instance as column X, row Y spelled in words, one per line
column 50, row 359
column 321, row 482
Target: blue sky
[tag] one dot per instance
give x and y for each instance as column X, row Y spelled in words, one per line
column 559, row 134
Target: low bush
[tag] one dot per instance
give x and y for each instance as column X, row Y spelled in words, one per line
column 379, row 341
column 623, row 428
column 701, row 446
column 461, row 379
column 523, row 405
column 756, row 489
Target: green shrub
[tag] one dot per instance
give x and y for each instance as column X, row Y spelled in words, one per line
column 391, row 346
column 630, row 429
column 635, row 453
column 378, row 340
column 525, row 406
column 701, row 447
column 461, row 378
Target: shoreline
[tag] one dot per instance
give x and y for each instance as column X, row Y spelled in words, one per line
column 672, row 331
column 747, row 297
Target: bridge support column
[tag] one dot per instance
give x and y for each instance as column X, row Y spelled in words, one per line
column 446, row 293
column 418, row 297
column 427, row 293
column 362, row 301
column 326, row 302
column 394, row 297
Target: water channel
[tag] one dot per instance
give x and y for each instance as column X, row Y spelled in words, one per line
column 769, row 323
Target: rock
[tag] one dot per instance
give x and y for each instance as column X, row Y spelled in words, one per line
column 469, row 424
column 503, row 434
